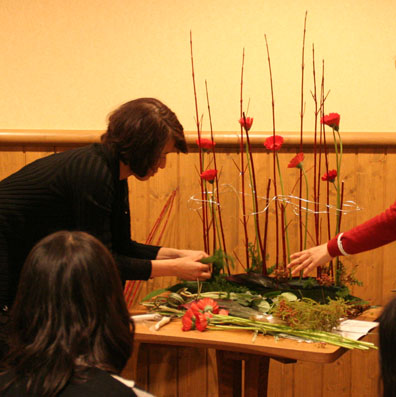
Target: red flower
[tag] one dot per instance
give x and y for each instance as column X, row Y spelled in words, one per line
column 209, row 175
column 223, row 312
column 296, row 161
column 188, row 320
column 332, row 120
column 201, row 322
column 208, row 305
column 274, row 144
column 205, row 143
column 330, row 176
column 248, row 124
column 194, row 319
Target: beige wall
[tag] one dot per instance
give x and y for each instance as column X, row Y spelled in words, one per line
column 65, row 64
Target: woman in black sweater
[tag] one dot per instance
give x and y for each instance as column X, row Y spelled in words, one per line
column 71, row 333
column 86, row 189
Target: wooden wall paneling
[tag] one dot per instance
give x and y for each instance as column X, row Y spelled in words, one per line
column 188, row 204
column 290, row 178
column 11, row 160
column 229, row 192
column 147, row 201
column 350, row 214
column 35, row 153
column 370, row 191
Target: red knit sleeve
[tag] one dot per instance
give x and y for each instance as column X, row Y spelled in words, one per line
column 371, row 234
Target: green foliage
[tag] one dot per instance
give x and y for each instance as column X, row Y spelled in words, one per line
column 256, row 262
column 153, row 294
column 219, row 261
column 307, row 314
column 309, row 283
column 219, row 283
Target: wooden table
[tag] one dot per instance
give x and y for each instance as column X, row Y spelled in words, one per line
column 235, row 347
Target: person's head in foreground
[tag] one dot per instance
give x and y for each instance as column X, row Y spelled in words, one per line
column 69, row 315
column 387, row 348
column 142, row 132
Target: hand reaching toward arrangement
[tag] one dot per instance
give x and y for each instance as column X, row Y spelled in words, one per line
column 309, row 259
column 189, row 268
column 184, row 264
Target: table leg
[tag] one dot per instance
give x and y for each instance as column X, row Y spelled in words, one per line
column 229, row 370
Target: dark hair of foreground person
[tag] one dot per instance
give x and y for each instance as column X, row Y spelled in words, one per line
column 387, row 349
column 69, row 316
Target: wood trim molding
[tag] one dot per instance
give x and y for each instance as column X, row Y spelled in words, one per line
column 11, row 137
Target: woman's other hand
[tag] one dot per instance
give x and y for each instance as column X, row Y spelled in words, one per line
column 309, row 259
column 186, row 265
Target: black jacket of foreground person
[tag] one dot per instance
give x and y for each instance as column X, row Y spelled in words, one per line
column 70, row 330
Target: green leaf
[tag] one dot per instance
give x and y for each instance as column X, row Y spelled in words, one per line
column 152, row 294
column 209, row 259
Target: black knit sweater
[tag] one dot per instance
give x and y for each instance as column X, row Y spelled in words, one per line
column 74, row 190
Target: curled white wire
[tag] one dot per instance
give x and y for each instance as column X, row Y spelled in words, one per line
column 294, row 201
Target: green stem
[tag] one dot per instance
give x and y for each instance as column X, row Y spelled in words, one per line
column 306, row 207
column 338, row 165
column 255, row 214
column 285, row 218
column 338, row 152
column 215, row 220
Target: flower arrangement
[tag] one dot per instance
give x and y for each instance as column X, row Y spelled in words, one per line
column 286, row 204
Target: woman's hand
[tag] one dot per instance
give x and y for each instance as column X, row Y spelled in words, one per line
column 187, row 267
column 309, row 259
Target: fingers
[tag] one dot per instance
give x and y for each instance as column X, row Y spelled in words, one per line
column 205, row 276
column 300, row 261
column 204, row 272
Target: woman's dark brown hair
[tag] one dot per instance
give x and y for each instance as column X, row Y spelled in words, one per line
column 139, row 130
column 69, row 315
column 387, row 349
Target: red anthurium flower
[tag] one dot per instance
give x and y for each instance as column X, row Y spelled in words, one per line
column 332, row 120
column 208, row 305
column 209, row 175
column 330, row 176
column 248, row 125
column 205, row 143
column 274, row 142
column 296, row 161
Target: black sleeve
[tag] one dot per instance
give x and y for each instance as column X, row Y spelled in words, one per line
column 100, row 208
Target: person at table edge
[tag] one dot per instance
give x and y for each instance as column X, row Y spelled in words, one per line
column 86, row 189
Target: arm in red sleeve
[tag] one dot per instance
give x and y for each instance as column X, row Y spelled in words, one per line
column 371, row 234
